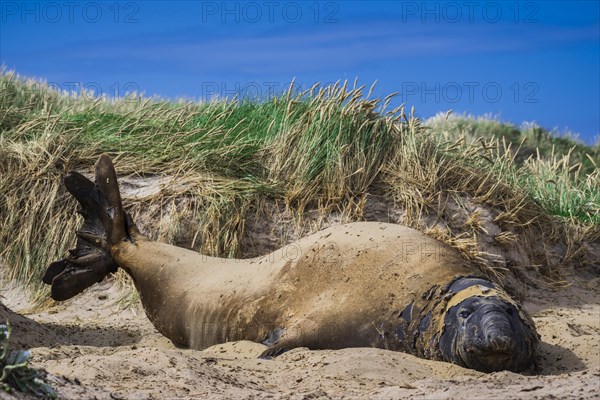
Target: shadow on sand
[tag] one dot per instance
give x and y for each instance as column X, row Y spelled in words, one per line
column 27, row 333
column 557, row 360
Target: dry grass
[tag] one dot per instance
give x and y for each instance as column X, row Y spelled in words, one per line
column 211, row 165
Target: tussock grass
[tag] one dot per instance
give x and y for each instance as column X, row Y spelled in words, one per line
column 531, row 140
column 559, row 173
column 539, row 205
column 211, row 165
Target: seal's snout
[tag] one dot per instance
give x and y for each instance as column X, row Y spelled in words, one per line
column 497, row 331
column 499, row 342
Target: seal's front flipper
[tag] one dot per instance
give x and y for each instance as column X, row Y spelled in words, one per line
column 279, row 341
column 272, row 340
column 90, row 261
column 272, row 352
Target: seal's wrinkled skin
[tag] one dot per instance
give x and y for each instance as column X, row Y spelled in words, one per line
column 355, row 285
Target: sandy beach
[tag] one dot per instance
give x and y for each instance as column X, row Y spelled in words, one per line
column 101, row 346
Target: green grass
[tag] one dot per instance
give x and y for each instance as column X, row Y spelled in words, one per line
column 530, row 139
column 559, row 173
column 327, row 148
column 15, row 373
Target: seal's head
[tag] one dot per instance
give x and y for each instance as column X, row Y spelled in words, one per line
column 485, row 330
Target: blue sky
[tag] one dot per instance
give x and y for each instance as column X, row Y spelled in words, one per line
column 521, row 61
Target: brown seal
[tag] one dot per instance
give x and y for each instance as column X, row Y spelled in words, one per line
column 354, row 285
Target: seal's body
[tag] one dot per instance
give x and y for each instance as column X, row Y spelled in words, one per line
column 355, row 285
column 341, row 287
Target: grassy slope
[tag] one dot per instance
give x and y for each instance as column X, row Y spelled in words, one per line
column 559, row 173
column 328, row 148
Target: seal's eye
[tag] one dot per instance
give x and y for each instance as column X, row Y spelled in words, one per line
column 464, row 313
column 509, row 311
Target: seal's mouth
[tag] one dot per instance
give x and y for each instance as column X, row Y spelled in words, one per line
column 488, row 361
column 492, row 354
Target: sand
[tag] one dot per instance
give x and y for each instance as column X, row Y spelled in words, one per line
column 101, row 345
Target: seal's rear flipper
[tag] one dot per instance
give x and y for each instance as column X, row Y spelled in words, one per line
column 105, row 224
column 106, row 179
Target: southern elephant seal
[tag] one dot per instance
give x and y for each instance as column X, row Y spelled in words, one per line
column 354, row 285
